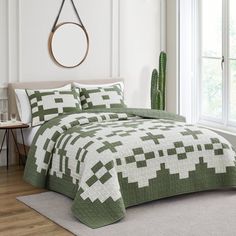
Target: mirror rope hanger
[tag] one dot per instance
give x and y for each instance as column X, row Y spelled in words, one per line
column 56, row 26
column 59, row 13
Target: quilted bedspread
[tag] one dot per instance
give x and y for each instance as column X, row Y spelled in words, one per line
column 108, row 160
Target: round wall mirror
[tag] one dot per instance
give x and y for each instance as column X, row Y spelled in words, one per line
column 69, row 44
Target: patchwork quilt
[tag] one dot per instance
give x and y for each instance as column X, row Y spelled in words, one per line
column 108, row 160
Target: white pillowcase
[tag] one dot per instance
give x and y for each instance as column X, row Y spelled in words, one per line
column 23, row 105
column 80, row 85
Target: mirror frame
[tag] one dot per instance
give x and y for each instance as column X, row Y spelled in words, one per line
column 51, row 39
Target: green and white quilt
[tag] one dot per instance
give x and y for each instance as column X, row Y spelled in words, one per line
column 108, row 160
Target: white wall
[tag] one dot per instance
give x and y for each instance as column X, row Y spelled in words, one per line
column 30, row 23
column 139, row 48
column 37, row 18
column 3, row 44
column 172, row 52
column 124, row 41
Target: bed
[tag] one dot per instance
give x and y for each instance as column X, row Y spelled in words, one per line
column 108, row 159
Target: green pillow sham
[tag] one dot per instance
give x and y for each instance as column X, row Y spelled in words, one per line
column 46, row 105
column 102, row 97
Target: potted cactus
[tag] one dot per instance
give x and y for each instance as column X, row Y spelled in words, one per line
column 158, row 84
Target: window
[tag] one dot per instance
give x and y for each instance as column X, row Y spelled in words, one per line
column 217, row 87
column 208, row 71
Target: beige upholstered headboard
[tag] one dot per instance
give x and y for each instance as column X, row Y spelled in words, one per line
column 47, row 85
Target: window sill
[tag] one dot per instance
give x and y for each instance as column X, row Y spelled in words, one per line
column 218, row 128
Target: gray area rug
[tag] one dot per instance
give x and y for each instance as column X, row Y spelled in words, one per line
column 201, row 214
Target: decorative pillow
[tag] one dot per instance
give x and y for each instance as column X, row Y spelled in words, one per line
column 81, row 85
column 49, row 104
column 23, row 105
column 102, row 97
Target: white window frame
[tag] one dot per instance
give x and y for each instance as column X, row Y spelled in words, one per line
column 223, row 124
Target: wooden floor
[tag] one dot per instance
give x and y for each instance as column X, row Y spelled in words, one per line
column 16, row 219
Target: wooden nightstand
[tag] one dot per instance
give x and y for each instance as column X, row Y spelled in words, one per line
column 9, row 127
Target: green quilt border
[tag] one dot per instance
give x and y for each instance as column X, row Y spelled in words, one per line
column 163, row 186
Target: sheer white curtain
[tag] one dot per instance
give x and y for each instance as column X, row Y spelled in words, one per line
column 188, row 59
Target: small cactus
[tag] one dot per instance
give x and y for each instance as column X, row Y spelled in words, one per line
column 154, row 86
column 158, row 84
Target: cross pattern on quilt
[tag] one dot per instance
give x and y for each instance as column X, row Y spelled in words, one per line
column 121, row 133
column 100, row 173
column 139, row 157
column 154, row 138
column 165, row 126
column 159, row 127
column 134, row 125
column 180, row 150
column 193, row 133
column 109, row 146
column 168, row 127
column 216, row 146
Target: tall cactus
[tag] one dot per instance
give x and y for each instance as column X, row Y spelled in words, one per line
column 158, row 84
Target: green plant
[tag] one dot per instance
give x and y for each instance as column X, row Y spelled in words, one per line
column 158, row 84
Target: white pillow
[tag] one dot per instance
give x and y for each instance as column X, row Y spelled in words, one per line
column 81, row 85
column 23, row 105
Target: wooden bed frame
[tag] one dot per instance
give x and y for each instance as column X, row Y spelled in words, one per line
column 12, row 108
